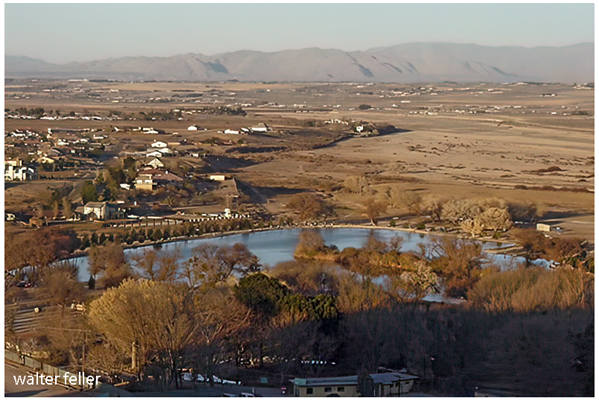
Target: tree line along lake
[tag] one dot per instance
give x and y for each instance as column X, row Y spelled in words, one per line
column 275, row 246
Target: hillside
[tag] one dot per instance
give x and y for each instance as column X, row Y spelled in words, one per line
column 409, row 63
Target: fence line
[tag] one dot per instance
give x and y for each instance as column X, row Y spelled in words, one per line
column 44, row 368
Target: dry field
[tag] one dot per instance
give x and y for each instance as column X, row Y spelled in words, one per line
column 530, row 143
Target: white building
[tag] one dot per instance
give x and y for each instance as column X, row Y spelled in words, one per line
column 158, row 144
column 99, row 209
column 154, row 153
column 231, row 131
column 261, row 127
column 19, row 172
column 155, row 163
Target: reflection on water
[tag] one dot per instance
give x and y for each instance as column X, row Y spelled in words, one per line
column 275, row 246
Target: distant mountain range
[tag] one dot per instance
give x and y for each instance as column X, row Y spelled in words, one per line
column 409, row 63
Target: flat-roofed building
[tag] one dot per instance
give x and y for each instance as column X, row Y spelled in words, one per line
column 389, row 384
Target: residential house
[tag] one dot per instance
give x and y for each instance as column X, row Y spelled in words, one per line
column 99, row 210
column 15, row 171
column 261, row 127
column 231, row 131
column 145, row 182
column 217, row 177
column 159, row 144
column 151, row 179
column 154, row 153
column 544, row 227
column 155, row 163
column 103, row 211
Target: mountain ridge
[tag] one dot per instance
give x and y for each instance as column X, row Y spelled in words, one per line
column 409, row 63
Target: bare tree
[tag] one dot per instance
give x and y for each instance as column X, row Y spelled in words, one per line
column 474, row 226
column 212, row 265
column 67, row 208
column 373, row 209
column 412, row 283
column 59, row 286
column 310, row 244
column 56, row 208
column 154, row 317
column 496, row 219
column 308, row 206
column 357, row 185
column 432, row 205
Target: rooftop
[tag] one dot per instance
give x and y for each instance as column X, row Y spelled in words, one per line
column 379, row 378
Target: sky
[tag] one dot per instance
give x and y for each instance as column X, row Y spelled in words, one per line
column 61, row 33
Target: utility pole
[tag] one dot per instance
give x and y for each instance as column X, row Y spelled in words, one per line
column 133, row 356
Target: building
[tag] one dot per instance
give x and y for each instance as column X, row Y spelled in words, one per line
column 145, row 182
column 155, row 163
column 158, row 144
column 102, row 211
column 15, row 171
column 345, row 386
column 149, row 180
column 544, row 227
column 231, row 132
column 217, row 177
column 154, row 153
column 390, row 384
column 261, row 127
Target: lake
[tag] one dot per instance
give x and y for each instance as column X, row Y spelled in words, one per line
column 274, row 246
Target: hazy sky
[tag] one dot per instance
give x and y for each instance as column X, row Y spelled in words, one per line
column 62, row 33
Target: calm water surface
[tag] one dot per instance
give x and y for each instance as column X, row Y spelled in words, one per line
column 275, row 246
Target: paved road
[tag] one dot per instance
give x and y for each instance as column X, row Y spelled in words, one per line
column 12, row 390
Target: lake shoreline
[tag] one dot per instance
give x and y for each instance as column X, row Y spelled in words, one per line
column 511, row 248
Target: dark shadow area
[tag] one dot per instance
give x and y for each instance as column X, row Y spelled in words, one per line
column 222, row 164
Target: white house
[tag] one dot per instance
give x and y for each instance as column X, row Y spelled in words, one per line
column 155, row 163
column 19, row 173
column 217, row 177
column 158, row 144
column 150, row 131
column 103, row 210
column 99, row 209
column 261, row 127
column 231, row 132
column 154, row 153
column 193, row 127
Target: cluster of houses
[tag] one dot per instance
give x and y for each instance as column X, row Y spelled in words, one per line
column 57, row 144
